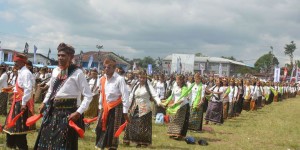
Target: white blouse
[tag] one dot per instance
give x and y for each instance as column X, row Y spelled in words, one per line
column 176, row 92
column 3, row 80
column 194, row 92
column 216, row 97
column 142, row 98
column 160, row 89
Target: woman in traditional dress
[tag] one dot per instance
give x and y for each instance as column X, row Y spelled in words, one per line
column 161, row 89
column 3, row 92
column 214, row 111
column 256, row 96
column 268, row 93
column 41, row 81
column 240, row 100
column 196, row 103
column 94, row 85
column 139, row 130
column 247, row 96
column 231, row 92
column 179, row 111
column 225, row 99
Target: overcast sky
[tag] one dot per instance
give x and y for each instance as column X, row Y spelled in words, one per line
column 135, row 29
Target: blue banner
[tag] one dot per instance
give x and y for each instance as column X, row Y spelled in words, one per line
column 149, row 69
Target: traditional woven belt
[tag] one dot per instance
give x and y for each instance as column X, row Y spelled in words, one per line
column 64, row 103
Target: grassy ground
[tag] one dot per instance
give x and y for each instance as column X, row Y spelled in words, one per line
column 276, row 126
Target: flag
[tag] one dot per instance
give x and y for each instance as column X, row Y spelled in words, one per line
column 26, row 48
column 1, row 56
column 179, row 65
column 285, row 73
column 10, row 57
column 149, row 68
column 220, row 70
column 297, row 73
column 277, row 74
column 134, row 66
column 90, row 61
column 292, row 73
column 34, row 54
column 49, row 52
column 206, row 64
column 201, row 68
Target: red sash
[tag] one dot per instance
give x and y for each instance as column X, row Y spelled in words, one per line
column 105, row 105
column 18, row 97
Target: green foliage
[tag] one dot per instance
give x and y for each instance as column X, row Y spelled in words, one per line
column 230, row 58
column 200, row 55
column 143, row 63
column 289, row 50
column 245, row 69
column 266, row 62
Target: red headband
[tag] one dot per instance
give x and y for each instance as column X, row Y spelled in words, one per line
column 20, row 58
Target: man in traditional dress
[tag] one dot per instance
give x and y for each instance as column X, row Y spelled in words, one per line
column 113, row 105
column 64, row 104
column 22, row 103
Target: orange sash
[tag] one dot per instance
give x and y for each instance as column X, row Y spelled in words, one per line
column 105, row 105
column 18, row 97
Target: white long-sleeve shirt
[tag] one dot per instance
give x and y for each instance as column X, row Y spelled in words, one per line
column 25, row 80
column 73, row 87
column 114, row 88
column 3, row 80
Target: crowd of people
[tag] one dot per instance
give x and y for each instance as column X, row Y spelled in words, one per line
column 117, row 98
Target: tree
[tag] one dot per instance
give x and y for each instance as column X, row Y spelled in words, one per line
column 200, row 55
column 230, row 58
column 266, row 62
column 289, row 50
column 143, row 63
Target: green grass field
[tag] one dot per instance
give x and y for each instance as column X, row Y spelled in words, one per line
column 276, row 126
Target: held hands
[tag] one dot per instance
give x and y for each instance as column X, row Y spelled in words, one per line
column 126, row 117
column 74, row 116
column 161, row 105
column 41, row 108
column 23, row 108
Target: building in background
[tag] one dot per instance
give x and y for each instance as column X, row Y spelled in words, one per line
column 209, row 65
column 40, row 58
column 97, row 58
